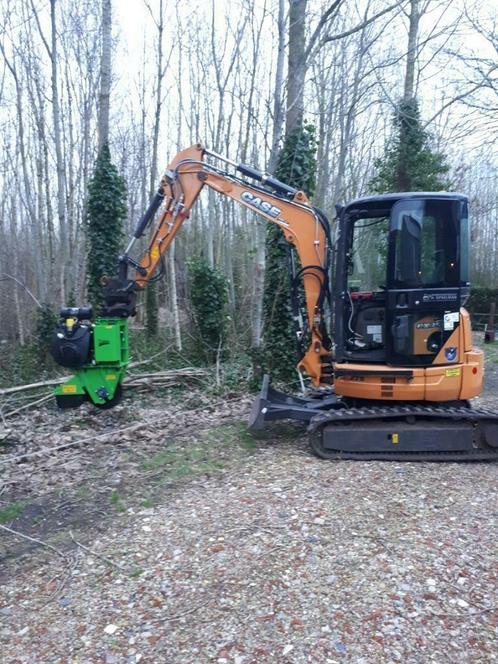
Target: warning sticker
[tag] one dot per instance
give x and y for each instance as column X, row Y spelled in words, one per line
column 450, row 319
column 455, row 371
column 69, row 389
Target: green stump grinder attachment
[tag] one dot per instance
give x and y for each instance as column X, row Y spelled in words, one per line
column 97, row 351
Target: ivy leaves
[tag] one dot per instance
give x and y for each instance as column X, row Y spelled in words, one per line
column 208, row 295
column 297, row 160
column 105, row 211
column 409, row 164
column 296, row 167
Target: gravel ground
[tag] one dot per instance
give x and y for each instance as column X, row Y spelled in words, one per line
column 285, row 559
column 254, row 551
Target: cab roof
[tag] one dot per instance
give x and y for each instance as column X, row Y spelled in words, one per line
column 391, row 198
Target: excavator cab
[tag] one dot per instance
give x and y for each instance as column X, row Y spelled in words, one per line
column 401, row 278
column 404, row 366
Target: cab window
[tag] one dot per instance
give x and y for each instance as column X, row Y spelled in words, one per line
column 426, row 240
column 368, row 260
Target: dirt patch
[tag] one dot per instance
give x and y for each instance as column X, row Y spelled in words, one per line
column 119, row 467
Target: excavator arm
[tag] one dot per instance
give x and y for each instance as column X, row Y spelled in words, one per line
column 305, row 228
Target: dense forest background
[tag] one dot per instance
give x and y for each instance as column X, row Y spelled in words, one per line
column 239, row 77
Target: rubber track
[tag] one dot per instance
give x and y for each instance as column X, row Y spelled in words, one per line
column 397, row 412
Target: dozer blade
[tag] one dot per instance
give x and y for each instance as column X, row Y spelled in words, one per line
column 274, row 405
column 406, row 432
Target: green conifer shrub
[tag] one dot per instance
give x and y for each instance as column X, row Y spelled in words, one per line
column 408, row 163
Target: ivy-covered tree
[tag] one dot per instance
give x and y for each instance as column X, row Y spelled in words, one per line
column 296, row 167
column 409, row 164
column 106, row 209
column 208, row 295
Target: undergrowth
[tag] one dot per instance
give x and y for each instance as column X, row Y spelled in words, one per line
column 20, row 365
column 23, row 364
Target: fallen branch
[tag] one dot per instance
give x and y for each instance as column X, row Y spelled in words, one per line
column 34, row 540
column 97, row 555
column 32, row 386
column 170, row 376
column 29, row 405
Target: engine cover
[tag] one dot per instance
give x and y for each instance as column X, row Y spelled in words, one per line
column 71, row 349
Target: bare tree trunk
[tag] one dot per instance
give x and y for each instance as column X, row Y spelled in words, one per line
column 171, row 255
column 20, row 317
column 29, row 190
column 61, row 194
column 411, row 56
column 211, row 218
column 260, row 231
column 152, row 299
column 105, row 74
column 348, row 114
column 278, row 106
column 174, row 296
column 296, row 65
column 160, row 70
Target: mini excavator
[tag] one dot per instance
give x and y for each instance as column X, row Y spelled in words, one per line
column 383, row 336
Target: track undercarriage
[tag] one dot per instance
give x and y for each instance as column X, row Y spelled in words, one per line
column 406, row 431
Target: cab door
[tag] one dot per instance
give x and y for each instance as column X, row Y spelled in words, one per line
column 424, row 286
